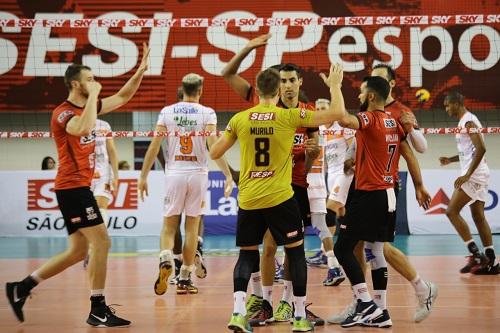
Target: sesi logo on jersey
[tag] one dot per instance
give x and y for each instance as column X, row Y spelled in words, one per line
column 262, row 116
column 389, row 123
column 298, row 139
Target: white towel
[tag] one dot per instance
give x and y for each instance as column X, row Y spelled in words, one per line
column 391, row 200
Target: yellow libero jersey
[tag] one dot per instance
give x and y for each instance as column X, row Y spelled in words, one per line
column 266, row 136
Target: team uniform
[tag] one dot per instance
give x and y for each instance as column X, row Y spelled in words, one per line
column 76, row 167
column 186, row 165
column 371, row 215
column 103, row 173
column 336, row 145
column 266, row 135
column 477, row 186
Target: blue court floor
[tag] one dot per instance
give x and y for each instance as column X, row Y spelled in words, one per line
column 43, row 247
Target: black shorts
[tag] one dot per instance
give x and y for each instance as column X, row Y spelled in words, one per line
column 367, row 217
column 79, row 208
column 282, row 220
column 300, row 194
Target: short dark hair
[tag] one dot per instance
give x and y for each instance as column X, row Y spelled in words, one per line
column 378, row 85
column 455, row 97
column 391, row 74
column 268, row 82
column 289, row 67
column 73, row 74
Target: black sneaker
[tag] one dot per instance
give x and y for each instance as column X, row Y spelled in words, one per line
column 186, row 287
column 105, row 317
column 15, row 301
column 474, row 262
column 174, row 279
column 365, row 311
column 263, row 316
column 488, row 269
column 382, row 321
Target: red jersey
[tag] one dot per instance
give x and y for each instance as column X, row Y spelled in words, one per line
column 299, row 175
column 75, row 153
column 395, row 109
column 377, row 152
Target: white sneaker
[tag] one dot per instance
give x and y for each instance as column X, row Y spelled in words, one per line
column 425, row 302
column 340, row 317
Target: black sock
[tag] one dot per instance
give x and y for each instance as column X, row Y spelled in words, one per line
column 25, row 286
column 248, row 262
column 97, row 302
column 298, row 269
column 490, row 253
column 473, row 249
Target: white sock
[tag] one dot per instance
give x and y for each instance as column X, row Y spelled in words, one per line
column 300, row 306
column 361, row 292
column 35, row 276
column 166, row 255
column 255, row 281
column 287, row 292
column 332, row 261
column 322, row 248
column 380, row 298
column 186, row 272
column 239, row 302
column 267, row 294
column 419, row 285
column 200, row 240
column 97, row 292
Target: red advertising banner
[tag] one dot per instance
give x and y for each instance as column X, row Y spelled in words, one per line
column 431, row 44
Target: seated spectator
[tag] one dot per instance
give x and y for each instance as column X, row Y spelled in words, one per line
column 48, row 163
column 123, row 165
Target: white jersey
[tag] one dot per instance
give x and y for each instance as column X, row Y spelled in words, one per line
column 316, row 177
column 102, row 167
column 336, row 146
column 186, row 153
column 467, row 151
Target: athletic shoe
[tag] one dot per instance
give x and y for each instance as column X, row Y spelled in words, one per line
column 105, row 317
column 238, row 323
column 317, row 321
column 263, row 316
column 161, row 284
column 254, row 303
column 488, row 269
column 175, row 278
column 284, row 312
column 334, row 277
column 301, row 324
column 16, row 302
column 425, row 302
column 321, row 261
column 315, row 256
column 279, row 272
column 474, row 262
column 340, row 317
column 186, row 287
column 200, row 269
column 382, row 321
column 365, row 311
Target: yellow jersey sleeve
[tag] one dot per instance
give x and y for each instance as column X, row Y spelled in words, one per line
column 298, row 117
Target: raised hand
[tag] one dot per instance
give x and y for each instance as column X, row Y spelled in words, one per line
column 258, row 41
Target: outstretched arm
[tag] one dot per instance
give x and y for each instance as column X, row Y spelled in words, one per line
column 130, row 88
column 221, row 163
column 229, row 73
column 153, row 149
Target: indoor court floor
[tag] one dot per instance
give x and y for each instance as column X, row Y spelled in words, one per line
column 466, row 303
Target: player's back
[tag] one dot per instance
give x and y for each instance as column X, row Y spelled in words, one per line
column 266, row 135
column 377, row 153
column 186, row 153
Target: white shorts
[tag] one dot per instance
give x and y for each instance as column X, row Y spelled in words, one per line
column 476, row 191
column 317, row 205
column 185, row 193
column 101, row 186
column 340, row 188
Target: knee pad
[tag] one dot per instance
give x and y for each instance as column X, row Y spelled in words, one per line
column 374, row 253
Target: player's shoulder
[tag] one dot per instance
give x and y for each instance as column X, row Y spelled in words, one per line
column 64, row 111
column 397, row 108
